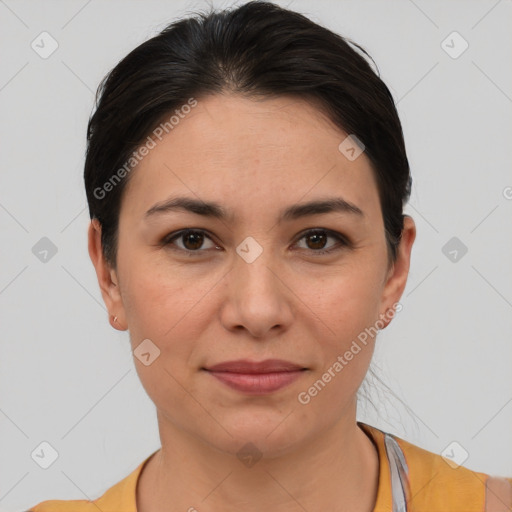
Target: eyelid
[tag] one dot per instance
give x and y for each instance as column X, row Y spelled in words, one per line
column 167, row 241
column 343, row 241
column 329, row 232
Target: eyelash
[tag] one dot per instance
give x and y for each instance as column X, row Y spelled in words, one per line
column 343, row 242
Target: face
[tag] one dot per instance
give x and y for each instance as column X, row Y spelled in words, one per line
column 253, row 283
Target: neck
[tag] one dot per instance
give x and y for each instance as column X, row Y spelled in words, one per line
column 335, row 471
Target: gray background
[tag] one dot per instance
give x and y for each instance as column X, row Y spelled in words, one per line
column 68, row 378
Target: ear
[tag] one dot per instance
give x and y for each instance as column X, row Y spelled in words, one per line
column 396, row 278
column 107, row 278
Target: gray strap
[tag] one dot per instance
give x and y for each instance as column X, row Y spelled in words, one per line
column 399, row 473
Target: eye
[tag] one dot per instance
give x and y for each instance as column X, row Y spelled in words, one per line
column 316, row 241
column 192, row 240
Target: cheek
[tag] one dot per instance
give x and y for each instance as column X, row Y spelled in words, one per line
column 347, row 308
column 155, row 295
column 161, row 309
column 344, row 302
column 169, row 307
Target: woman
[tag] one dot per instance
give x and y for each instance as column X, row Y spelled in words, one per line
column 246, row 176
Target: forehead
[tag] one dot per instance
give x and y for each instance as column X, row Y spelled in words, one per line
column 247, row 151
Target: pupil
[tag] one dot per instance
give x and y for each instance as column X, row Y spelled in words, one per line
column 197, row 237
column 317, row 237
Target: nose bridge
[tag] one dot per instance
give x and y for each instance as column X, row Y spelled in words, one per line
column 254, row 267
column 256, row 298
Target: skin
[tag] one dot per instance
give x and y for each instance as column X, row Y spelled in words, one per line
column 254, row 157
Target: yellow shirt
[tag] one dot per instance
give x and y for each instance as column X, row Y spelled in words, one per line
column 435, row 486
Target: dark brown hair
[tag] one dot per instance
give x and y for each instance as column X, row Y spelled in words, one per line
column 257, row 49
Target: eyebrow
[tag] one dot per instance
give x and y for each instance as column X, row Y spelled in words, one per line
column 293, row 212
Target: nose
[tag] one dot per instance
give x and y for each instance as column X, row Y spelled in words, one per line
column 257, row 297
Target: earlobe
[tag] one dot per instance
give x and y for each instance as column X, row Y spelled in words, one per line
column 385, row 319
column 107, row 277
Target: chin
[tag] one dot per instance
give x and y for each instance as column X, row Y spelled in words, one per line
column 271, row 435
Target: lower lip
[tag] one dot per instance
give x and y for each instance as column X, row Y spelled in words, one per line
column 257, row 383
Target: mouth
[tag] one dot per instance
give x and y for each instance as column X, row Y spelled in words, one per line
column 256, row 378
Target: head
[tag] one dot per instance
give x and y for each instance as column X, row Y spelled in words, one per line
column 226, row 124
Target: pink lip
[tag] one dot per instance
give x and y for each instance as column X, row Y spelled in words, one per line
column 256, row 378
column 247, row 366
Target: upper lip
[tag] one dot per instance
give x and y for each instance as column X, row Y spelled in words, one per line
column 247, row 366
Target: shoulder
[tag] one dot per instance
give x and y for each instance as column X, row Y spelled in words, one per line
column 438, row 481
column 432, row 481
column 121, row 496
column 112, row 497
column 64, row 506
